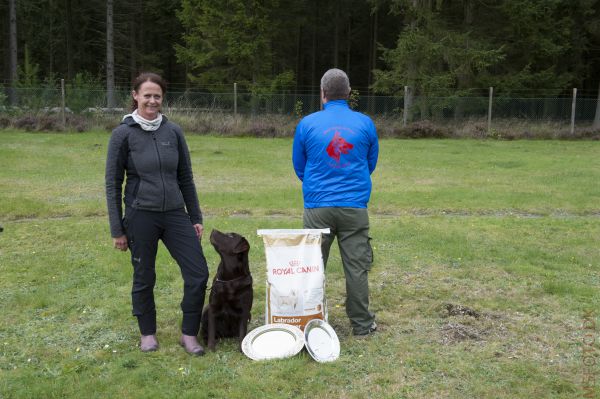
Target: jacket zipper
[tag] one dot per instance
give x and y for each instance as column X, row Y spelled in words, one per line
column 161, row 171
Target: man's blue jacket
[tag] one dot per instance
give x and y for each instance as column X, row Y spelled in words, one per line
column 334, row 153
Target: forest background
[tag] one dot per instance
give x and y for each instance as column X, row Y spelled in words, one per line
column 437, row 47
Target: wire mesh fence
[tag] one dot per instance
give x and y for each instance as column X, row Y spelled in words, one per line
column 438, row 109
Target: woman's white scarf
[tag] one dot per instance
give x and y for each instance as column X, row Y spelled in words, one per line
column 145, row 124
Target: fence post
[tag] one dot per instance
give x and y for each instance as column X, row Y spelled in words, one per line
column 489, row 125
column 573, row 110
column 406, row 106
column 62, row 108
column 235, row 99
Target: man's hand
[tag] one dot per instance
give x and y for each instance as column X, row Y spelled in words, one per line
column 120, row 243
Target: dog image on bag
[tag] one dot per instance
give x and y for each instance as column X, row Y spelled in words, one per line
column 285, row 303
column 227, row 313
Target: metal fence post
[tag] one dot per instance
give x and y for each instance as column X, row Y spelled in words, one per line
column 573, row 110
column 62, row 108
column 234, row 99
column 489, row 125
column 406, row 106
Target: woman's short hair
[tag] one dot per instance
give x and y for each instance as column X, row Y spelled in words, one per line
column 335, row 84
column 147, row 77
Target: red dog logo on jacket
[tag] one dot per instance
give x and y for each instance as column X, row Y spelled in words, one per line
column 338, row 146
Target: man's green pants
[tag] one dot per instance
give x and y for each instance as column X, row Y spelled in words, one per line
column 351, row 227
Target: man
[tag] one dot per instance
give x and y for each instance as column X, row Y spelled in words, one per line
column 334, row 153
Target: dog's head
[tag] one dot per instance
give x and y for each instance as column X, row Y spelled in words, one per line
column 233, row 249
column 338, row 146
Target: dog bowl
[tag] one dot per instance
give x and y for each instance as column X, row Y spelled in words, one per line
column 273, row 341
column 321, row 341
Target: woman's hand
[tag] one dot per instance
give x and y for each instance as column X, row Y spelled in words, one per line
column 199, row 230
column 120, row 243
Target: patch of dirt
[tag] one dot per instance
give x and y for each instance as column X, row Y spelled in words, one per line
column 276, row 213
column 457, row 332
column 240, row 212
column 466, row 324
column 460, row 310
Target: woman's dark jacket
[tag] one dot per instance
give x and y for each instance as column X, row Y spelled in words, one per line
column 158, row 168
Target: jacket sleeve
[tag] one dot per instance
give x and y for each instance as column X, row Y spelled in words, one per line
column 373, row 154
column 298, row 152
column 116, row 160
column 185, row 179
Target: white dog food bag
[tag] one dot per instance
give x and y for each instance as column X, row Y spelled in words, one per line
column 295, row 276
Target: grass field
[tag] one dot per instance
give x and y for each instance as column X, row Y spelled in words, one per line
column 485, row 283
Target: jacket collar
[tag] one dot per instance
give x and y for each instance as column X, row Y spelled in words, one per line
column 335, row 103
column 130, row 122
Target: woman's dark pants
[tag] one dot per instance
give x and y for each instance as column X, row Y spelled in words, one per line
column 144, row 229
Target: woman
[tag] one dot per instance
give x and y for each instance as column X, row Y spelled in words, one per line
column 153, row 155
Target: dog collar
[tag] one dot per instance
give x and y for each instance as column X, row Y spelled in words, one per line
column 218, row 280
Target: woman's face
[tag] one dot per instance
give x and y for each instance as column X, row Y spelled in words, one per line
column 149, row 99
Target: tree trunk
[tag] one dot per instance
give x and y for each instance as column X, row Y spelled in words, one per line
column 141, row 26
column 348, row 45
column 372, row 63
column 596, row 124
column 412, row 75
column 370, row 54
column 464, row 78
column 374, row 57
column 469, row 12
column 12, row 73
column 50, row 41
column 133, row 50
column 69, row 39
column 110, row 56
column 298, row 61
column 336, row 36
column 313, row 72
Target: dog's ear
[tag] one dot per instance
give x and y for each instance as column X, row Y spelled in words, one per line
column 242, row 246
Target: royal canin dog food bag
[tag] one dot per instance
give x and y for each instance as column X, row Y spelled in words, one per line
column 295, row 276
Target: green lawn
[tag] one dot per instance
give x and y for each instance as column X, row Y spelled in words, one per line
column 509, row 230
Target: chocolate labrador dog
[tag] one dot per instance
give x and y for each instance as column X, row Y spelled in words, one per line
column 230, row 301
